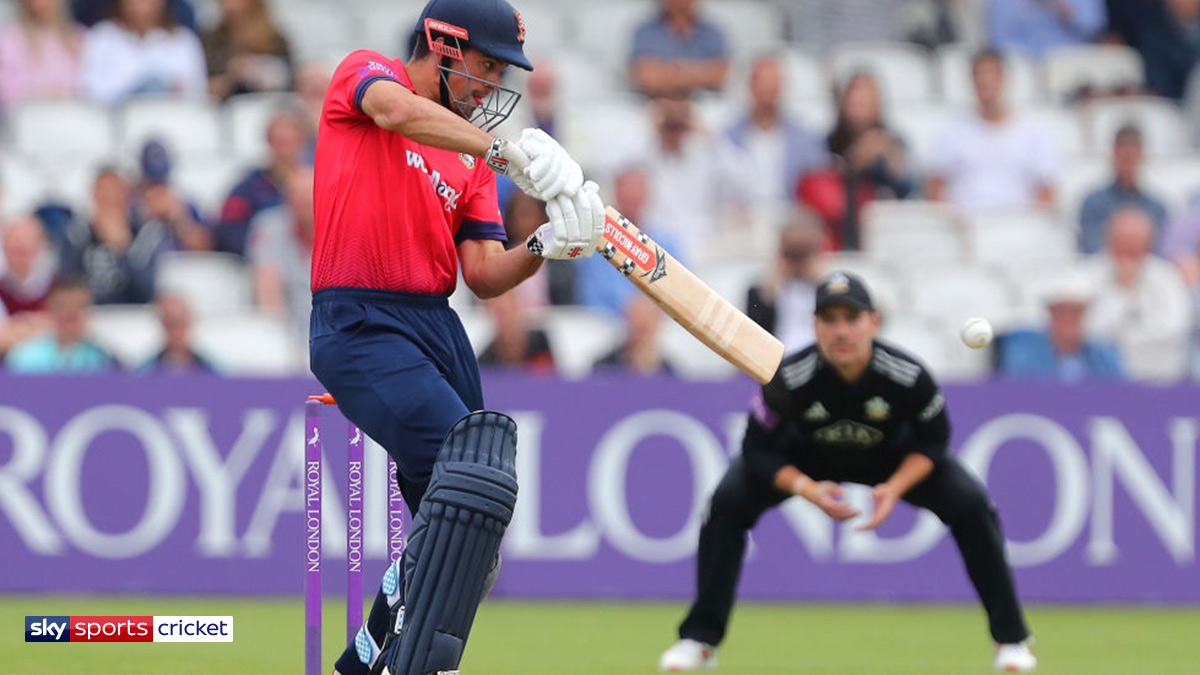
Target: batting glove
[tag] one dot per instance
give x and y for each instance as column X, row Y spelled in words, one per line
column 575, row 228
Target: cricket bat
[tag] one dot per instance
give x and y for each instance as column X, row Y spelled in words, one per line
column 688, row 300
column 681, row 294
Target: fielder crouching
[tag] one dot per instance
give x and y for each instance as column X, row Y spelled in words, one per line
column 848, row 409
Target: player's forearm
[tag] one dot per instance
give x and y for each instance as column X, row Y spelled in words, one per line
column 792, row 481
column 491, row 271
column 914, row 469
column 423, row 121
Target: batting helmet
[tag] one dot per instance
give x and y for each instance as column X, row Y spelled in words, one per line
column 492, row 26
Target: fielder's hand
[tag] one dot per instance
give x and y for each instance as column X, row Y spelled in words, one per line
column 826, row 494
column 885, row 497
column 576, row 225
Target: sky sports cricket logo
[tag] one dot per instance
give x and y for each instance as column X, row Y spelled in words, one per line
column 129, row 629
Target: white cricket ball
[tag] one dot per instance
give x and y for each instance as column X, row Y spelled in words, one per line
column 976, row 333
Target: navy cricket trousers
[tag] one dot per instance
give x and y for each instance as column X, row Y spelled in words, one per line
column 400, row 367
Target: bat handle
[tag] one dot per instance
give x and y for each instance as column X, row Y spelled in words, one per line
column 516, row 156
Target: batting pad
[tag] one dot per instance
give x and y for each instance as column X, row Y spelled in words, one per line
column 455, row 538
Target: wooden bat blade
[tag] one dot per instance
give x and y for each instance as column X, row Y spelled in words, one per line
column 688, row 300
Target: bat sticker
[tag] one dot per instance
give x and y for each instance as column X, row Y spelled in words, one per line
column 660, row 266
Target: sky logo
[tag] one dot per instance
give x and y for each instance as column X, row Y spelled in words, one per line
column 47, row 629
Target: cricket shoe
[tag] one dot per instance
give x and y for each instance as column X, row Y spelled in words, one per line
column 1015, row 658
column 688, row 654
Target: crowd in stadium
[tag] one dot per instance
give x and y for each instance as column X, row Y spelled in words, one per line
column 1029, row 161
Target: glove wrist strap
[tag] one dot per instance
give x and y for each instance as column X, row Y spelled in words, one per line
column 495, row 159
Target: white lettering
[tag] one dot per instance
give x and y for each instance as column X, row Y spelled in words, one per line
column 16, row 501
column 1116, row 455
column 217, row 478
column 606, row 482
column 1070, row 472
column 524, row 538
column 167, row 482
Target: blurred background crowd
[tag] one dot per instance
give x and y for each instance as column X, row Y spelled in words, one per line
column 1033, row 162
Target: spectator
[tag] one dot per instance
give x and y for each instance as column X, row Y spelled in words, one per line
column 678, row 52
column 640, row 353
column 1141, row 302
column 1167, row 35
column 262, row 188
column 158, row 202
column 177, row 356
column 142, row 50
column 28, row 267
column 245, row 52
column 784, row 302
column 39, row 53
column 598, row 286
column 516, row 344
column 993, row 158
column 1038, row 26
column 773, row 143
column 1061, row 351
column 64, row 349
column 693, row 179
column 115, row 253
column 280, row 251
column 1125, row 190
column 92, row 12
column 869, row 162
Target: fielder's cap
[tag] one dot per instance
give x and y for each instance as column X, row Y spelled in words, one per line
column 493, row 27
column 844, row 289
column 156, row 162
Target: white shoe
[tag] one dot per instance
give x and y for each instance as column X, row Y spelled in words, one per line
column 1015, row 658
column 688, row 655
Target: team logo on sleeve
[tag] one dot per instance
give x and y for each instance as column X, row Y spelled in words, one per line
column 933, row 408
column 878, row 409
column 467, row 160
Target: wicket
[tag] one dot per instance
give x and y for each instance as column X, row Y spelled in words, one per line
column 313, row 449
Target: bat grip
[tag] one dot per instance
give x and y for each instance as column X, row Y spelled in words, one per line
column 515, row 155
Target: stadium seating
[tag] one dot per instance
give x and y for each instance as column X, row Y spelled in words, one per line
column 1000, row 237
column 207, row 182
column 805, row 83
column 1102, row 67
column 188, row 128
column 605, row 29
column 904, row 71
column 22, row 184
column 266, row 346
column 51, row 149
column 54, row 131
column 215, row 284
column 246, row 120
column 317, row 31
column 581, row 336
column 956, row 293
column 913, row 231
column 132, row 333
column 1164, row 129
column 1176, row 182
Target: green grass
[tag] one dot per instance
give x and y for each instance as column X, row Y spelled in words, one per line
column 520, row 638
